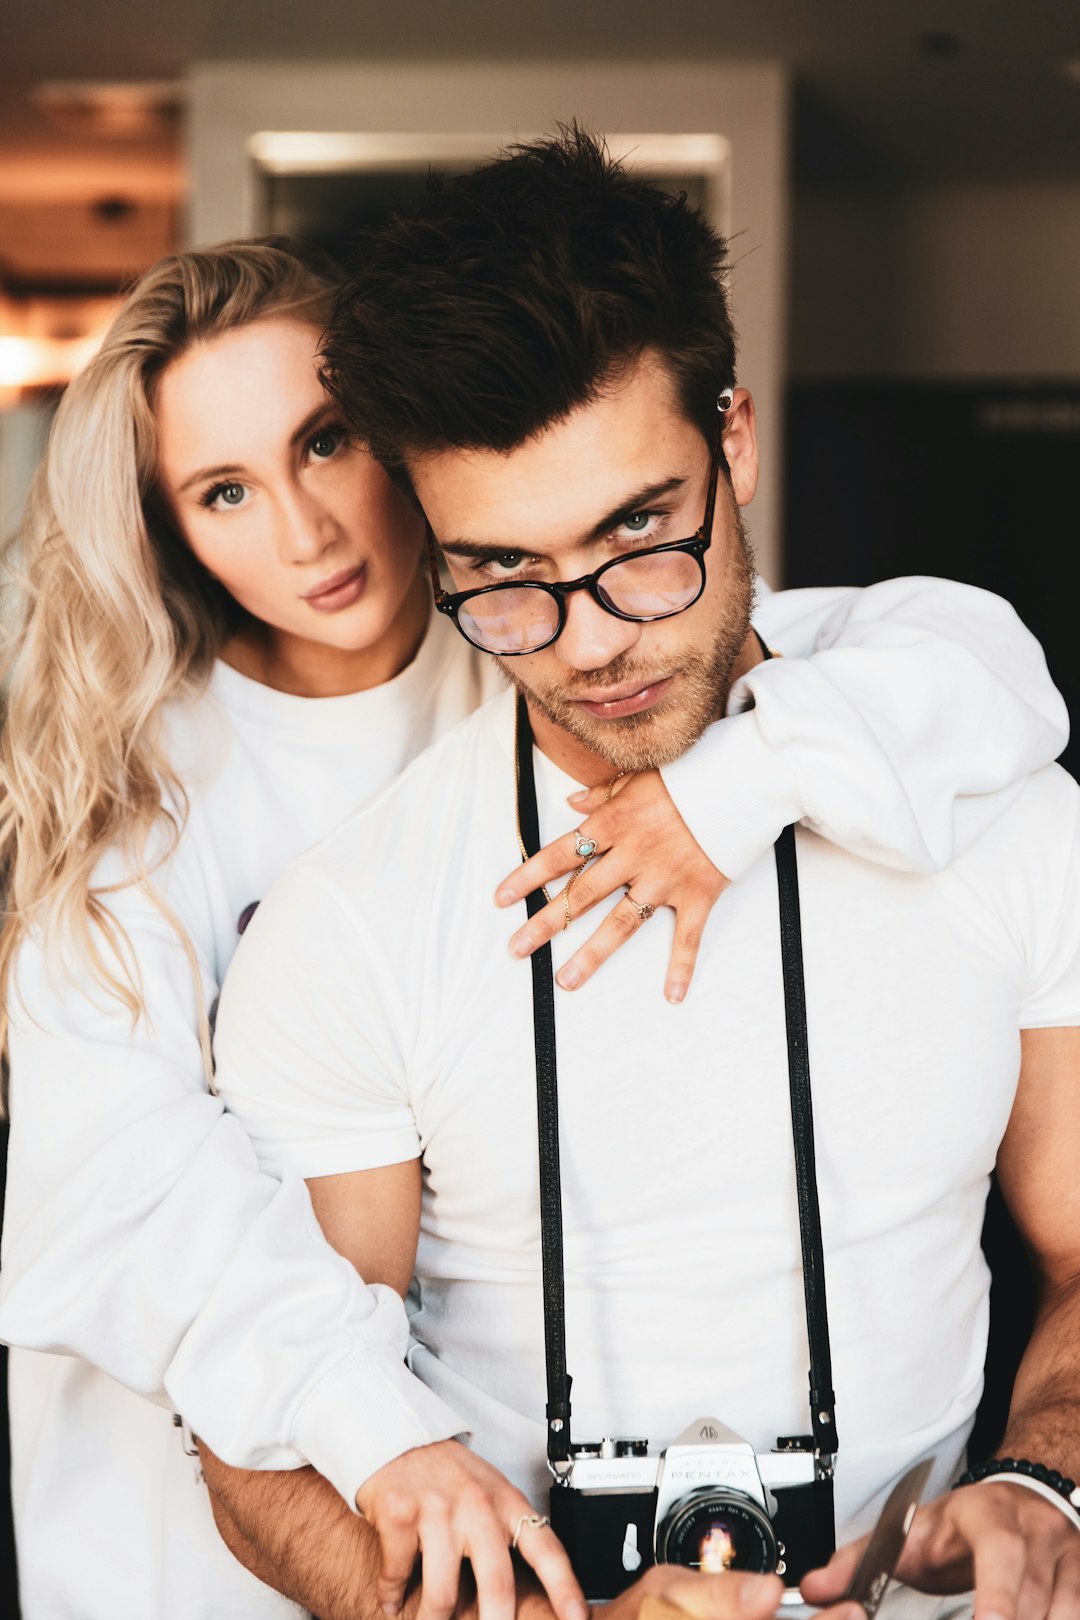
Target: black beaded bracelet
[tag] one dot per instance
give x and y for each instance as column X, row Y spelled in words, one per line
column 1018, row 1465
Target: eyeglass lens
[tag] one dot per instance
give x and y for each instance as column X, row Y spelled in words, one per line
column 652, row 586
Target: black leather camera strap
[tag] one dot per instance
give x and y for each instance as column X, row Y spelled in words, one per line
column 822, row 1398
column 547, row 1115
column 551, row 1233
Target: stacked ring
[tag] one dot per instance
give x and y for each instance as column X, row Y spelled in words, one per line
column 531, row 1521
column 644, row 911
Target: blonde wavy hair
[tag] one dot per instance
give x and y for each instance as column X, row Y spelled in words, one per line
column 115, row 617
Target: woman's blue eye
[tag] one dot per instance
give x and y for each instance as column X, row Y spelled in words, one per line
column 224, row 495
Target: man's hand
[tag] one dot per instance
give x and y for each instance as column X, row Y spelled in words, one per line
column 1019, row 1553
column 447, row 1504
column 668, row 1592
column 645, row 845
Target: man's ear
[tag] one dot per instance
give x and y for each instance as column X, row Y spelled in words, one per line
column 740, row 446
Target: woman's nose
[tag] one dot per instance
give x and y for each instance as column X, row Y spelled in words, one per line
column 306, row 529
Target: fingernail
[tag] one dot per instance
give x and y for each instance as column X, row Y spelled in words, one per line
column 579, row 797
column 677, row 993
column 577, row 1611
column 504, row 897
column 570, row 978
column 520, row 945
column 391, row 1608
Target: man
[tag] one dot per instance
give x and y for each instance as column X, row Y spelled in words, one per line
column 541, row 354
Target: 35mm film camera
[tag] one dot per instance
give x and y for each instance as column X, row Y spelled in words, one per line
column 707, row 1502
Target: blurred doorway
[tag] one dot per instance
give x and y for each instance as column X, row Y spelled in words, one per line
column 326, row 188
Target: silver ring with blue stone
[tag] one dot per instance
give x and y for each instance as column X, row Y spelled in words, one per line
column 584, row 848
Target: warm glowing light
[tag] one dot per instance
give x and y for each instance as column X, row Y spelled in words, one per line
column 46, row 341
column 717, row 1551
column 17, row 361
column 38, row 362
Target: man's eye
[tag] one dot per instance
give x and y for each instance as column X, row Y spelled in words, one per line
column 509, row 562
column 640, row 526
column 326, row 441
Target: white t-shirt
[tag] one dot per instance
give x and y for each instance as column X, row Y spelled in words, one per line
column 407, row 1030
column 143, row 1245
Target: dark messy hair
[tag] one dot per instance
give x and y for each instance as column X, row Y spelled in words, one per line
column 511, row 295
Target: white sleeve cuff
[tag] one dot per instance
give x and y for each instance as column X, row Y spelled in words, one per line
column 366, row 1411
column 735, row 791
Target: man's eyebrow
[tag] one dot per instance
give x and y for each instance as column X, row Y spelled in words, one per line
column 473, row 549
column 323, row 409
column 234, row 468
column 482, row 552
column 627, row 508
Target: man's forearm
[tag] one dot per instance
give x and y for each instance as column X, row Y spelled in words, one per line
column 1044, row 1414
column 295, row 1533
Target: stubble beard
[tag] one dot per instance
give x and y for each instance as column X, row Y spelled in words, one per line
column 698, row 695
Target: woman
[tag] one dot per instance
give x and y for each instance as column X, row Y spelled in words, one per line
column 226, row 646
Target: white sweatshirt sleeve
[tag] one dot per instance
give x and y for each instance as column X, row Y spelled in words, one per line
column 142, row 1236
column 899, row 723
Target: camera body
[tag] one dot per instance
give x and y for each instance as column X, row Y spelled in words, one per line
column 708, row 1502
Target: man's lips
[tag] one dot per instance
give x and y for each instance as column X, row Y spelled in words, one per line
column 613, row 703
column 337, row 590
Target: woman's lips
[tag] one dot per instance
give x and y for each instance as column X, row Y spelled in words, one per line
column 633, row 702
column 341, row 590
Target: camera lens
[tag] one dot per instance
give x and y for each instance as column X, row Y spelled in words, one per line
column 716, row 1528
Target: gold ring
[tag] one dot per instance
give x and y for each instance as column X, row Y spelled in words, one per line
column 533, row 1521
column 644, row 911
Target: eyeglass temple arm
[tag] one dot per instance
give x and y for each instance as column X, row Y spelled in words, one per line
column 433, row 563
column 723, row 406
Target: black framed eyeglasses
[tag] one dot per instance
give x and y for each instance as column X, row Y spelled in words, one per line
column 523, row 616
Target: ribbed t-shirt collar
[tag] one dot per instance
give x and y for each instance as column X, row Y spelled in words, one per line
column 336, row 720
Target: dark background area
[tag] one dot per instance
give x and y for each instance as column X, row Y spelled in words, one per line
column 971, row 480
column 974, row 481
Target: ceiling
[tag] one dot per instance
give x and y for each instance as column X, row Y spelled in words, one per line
column 886, row 91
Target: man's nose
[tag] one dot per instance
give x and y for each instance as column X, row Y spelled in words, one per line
column 592, row 638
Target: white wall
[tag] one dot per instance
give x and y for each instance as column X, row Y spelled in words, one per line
column 746, row 102
column 957, row 281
